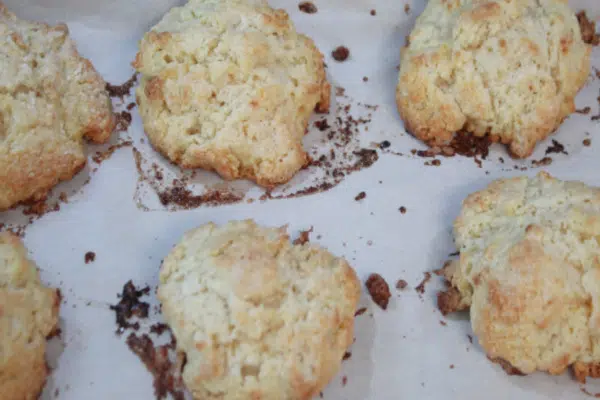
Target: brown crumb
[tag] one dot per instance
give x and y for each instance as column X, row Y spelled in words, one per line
column 556, row 147
column 402, row 210
column 584, row 111
column 373, row 12
column 347, row 355
column 130, row 306
column 307, row 7
column 443, row 323
column 588, row 29
column 159, row 328
column 542, row 162
column 401, row 284
column 470, row 338
column 303, row 238
column 585, row 391
column 406, row 8
column 365, row 79
column 340, row 53
column 360, row 311
column 421, row 288
column 130, row 106
column 587, row 142
column 379, row 290
column 123, row 89
column 451, row 366
column 360, row 196
column 344, row 380
column 89, row 257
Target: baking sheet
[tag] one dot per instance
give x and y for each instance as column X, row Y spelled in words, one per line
column 404, row 352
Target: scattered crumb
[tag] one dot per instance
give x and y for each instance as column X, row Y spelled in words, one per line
column 344, row 380
column 123, row 89
column 585, row 110
column 406, row 8
column 543, row 162
column 365, row 79
column 470, row 339
column 443, row 323
column 360, row 311
column 421, row 288
column 401, row 284
column 347, row 355
column 587, row 142
column 402, row 210
column 340, row 53
column 379, row 290
column 556, row 147
column 595, row 395
column 307, row 7
column 385, row 144
column 90, row 257
column 451, row 366
column 360, row 196
column 304, row 237
column 373, row 12
column 506, row 366
column 130, row 106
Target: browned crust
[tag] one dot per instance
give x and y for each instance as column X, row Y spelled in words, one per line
column 29, row 175
column 450, row 301
column 582, row 370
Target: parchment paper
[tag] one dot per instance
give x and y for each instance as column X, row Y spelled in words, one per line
column 402, row 353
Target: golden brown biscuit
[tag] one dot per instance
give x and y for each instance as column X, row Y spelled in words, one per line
column 510, row 69
column 257, row 317
column 28, row 315
column 529, row 271
column 50, row 99
column 229, row 86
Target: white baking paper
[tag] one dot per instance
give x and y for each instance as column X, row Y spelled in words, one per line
column 402, row 353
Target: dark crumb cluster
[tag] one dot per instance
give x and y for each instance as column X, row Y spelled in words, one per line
column 130, row 306
column 556, row 147
column 379, row 290
column 162, row 361
column 340, row 53
column 123, row 89
column 102, row 156
column 307, row 7
column 360, row 196
column 401, row 284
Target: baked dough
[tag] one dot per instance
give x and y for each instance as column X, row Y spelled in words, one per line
column 28, row 315
column 229, row 86
column 257, row 317
column 50, row 99
column 507, row 68
column 529, row 271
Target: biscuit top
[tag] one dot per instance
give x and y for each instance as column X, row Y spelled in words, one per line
column 510, row 68
column 230, row 85
column 28, row 314
column 255, row 314
column 530, row 267
column 49, row 92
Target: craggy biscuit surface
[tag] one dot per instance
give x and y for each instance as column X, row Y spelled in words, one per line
column 229, row 86
column 257, row 317
column 507, row 68
column 529, row 271
column 28, row 315
column 50, row 99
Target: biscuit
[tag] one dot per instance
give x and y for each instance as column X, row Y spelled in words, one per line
column 28, row 315
column 508, row 69
column 257, row 317
column 50, row 99
column 529, row 272
column 229, row 86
